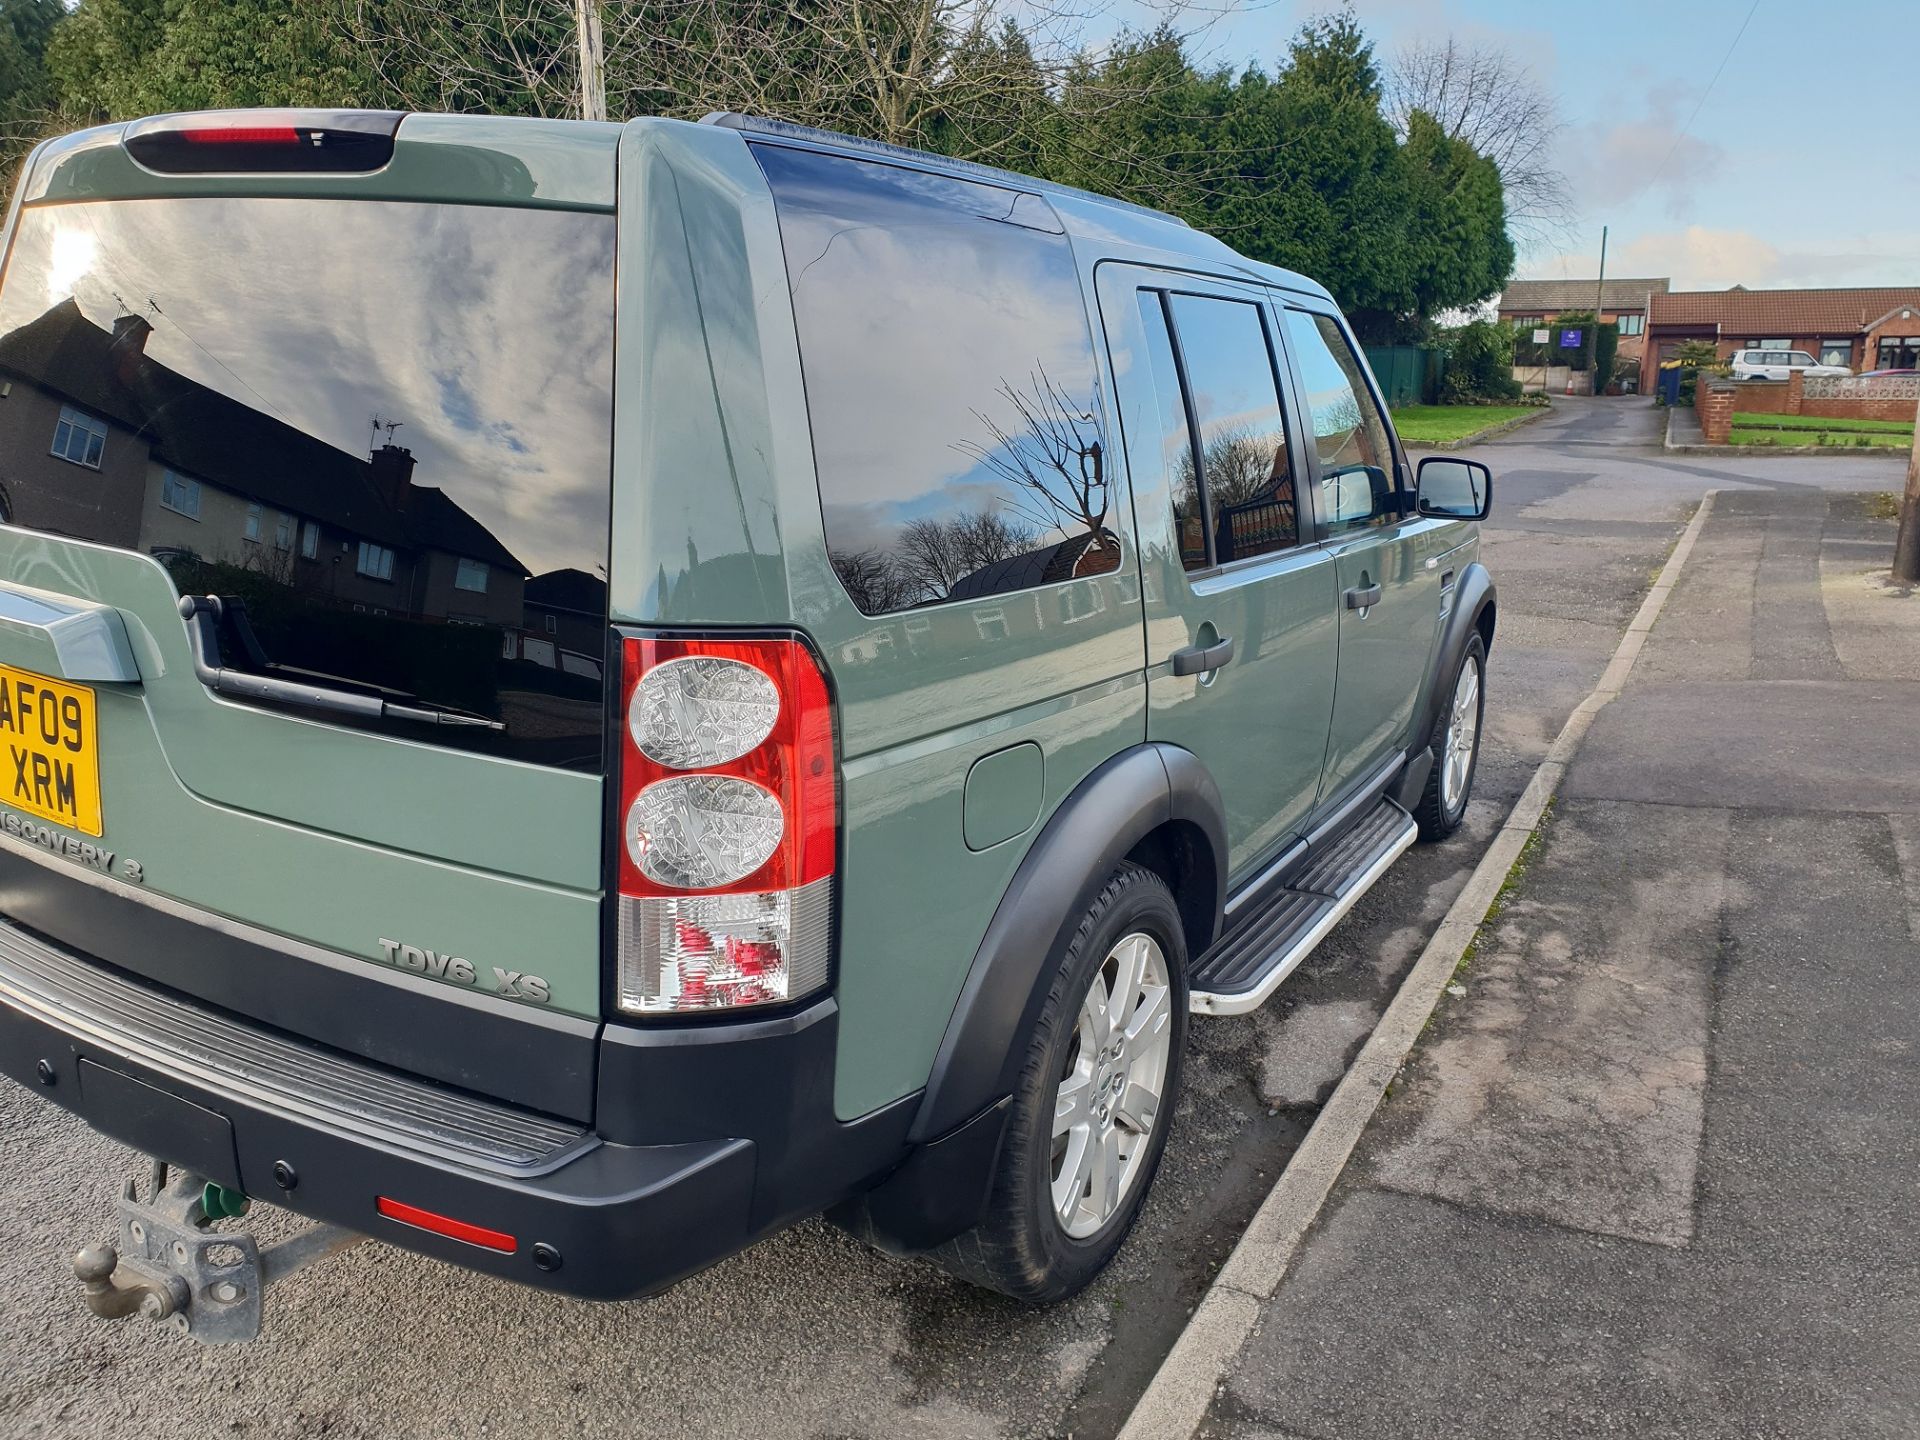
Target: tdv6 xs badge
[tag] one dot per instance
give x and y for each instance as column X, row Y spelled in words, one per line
column 514, row 984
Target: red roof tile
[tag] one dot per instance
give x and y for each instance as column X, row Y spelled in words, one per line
column 1791, row 313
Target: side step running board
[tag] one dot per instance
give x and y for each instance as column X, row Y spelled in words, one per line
column 1262, row 946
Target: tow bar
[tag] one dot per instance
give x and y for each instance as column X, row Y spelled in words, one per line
column 174, row 1264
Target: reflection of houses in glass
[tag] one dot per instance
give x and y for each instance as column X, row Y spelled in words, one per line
column 106, row 444
column 565, row 622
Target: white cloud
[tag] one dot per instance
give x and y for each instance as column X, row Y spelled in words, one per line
column 1698, row 257
column 1613, row 162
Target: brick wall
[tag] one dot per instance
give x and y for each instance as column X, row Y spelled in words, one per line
column 1765, row 397
column 1835, row 399
column 1713, row 399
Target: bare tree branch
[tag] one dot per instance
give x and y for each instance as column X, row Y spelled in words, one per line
column 1480, row 94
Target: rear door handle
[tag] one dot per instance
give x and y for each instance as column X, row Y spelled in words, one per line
column 1363, row 596
column 1198, row 659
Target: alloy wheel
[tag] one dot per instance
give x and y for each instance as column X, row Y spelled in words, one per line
column 1463, row 736
column 1108, row 1100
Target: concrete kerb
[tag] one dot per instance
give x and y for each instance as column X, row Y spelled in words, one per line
column 1176, row 1401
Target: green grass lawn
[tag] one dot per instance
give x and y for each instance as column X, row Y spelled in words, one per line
column 1450, row 424
column 1822, row 422
column 1832, row 439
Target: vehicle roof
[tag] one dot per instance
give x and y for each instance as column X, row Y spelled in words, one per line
column 510, row 160
column 1087, row 215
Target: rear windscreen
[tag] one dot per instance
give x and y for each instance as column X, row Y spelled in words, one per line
column 383, row 428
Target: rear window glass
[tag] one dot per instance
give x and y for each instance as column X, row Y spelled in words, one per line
column 950, row 382
column 385, row 427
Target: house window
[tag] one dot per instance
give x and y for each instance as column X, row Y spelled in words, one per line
column 1632, row 324
column 252, row 532
column 1899, row 354
column 79, row 438
column 1836, row 352
column 180, row 494
column 1769, row 344
column 1528, row 320
column 553, row 624
column 283, row 531
column 309, row 541
column 375, row 562
column 471, row 575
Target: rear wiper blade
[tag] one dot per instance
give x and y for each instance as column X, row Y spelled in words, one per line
column 202, row 614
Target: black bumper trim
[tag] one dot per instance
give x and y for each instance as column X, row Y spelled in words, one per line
column 518, row 1054
column 97, row 1007
column 711, row 1137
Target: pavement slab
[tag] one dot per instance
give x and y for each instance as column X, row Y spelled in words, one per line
column 1653, row 1172
column 1567, row 1080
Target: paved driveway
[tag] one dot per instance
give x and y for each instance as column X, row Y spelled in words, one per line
column 810, row 1334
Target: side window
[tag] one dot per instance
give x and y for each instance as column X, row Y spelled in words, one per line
column 950, row 382
column 1176, row 442
column 1245, row 468
column 1356, row 460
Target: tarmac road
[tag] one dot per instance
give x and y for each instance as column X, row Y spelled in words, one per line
column 810, row 1334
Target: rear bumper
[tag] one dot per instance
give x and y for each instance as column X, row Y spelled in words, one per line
column 236, row 1101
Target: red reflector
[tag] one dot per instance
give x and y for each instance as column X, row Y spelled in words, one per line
column 444, row 1225
column 243, row 135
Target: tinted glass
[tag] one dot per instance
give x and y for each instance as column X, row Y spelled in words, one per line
column 1175, row 443
column 1356, row 461
column 950, row 382
column 413, row 389
column 1244, row 462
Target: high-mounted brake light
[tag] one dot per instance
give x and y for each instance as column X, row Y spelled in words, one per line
column 728, row 822
column 261, row 141
column 243, row 135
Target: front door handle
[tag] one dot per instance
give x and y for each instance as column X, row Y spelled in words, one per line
column 1362, row 597
column 1198, row 659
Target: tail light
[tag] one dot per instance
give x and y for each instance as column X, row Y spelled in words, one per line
column 728, row 822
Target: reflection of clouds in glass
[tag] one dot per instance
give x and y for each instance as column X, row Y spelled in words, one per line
column 73, row 252
column 487, row 333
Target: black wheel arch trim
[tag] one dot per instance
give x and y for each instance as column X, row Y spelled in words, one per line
column 1123, row 800
column 1473, row 594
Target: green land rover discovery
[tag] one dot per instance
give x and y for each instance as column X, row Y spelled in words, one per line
column 574, row 694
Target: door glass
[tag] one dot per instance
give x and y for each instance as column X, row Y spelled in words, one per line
column 1244, row 462
column 1176, row 444
column 1356, row 462
column 950, row 377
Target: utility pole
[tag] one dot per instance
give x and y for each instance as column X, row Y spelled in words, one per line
column 593, row 64
column 1906, row 545
column 1599, row 289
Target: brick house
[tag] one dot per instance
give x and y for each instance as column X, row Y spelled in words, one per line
column 1874, row 328
column 1527, row 303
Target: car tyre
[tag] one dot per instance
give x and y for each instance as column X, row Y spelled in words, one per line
column 1455, row 742
column 1046, row 1234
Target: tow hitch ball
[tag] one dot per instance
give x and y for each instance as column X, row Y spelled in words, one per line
column 171, row 1260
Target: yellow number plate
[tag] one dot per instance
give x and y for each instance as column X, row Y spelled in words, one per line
column 52, row 761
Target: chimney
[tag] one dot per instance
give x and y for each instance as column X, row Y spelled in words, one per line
column 130, row 334
column 392, row 468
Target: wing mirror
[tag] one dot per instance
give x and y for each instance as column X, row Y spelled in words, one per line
column 1449, row 489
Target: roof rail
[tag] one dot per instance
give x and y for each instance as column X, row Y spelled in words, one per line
column 926, row 159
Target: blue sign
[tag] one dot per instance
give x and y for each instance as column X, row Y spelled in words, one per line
column 1569, row 339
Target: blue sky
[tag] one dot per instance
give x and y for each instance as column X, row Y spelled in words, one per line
column 1802, row 168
